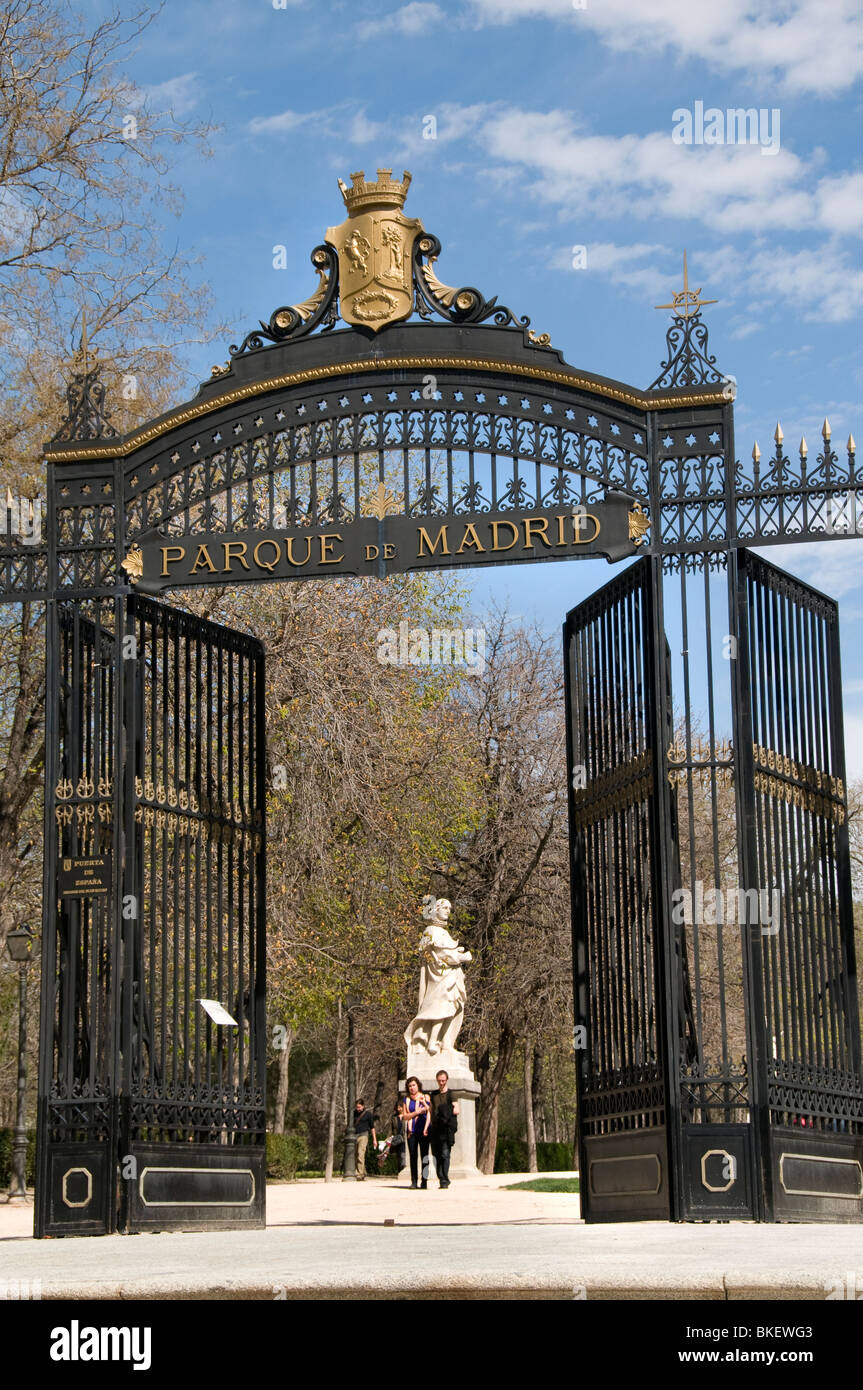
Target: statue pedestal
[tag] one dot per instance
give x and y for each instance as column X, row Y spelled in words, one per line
column 464, row 1088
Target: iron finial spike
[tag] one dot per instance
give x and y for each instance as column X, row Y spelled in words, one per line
column 825, row 429
column 756, row 452
column 804, row 447
column 777, row 434
column 82, row 348
column 852, row 447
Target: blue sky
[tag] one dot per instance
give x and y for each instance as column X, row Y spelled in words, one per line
column 554, row 130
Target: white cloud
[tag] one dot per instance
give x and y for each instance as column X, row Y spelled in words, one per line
column 343, row 121
column 410, row 21
column 285, row 122
column 836, row 568
column 806, row 45
column 177, row 94
column 840, row 204
column 730, row 187
column 727, row 189
column 623, row 265
column 821, row 282
column 362, row 131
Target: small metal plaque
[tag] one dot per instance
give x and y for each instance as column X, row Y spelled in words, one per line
column 85, row 878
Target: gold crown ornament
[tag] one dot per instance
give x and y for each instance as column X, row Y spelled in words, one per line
column 386, row 192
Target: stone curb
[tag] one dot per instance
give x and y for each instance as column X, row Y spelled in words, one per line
column 733, row 1286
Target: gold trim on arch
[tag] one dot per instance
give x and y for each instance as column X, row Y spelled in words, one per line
column 642, row 400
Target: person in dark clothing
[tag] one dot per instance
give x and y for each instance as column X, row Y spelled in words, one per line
column 397, row 1143
column 444, row 1124
column 364, row 1125
column 415, row 1111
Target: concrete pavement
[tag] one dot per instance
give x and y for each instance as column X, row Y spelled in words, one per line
column 476, row 1240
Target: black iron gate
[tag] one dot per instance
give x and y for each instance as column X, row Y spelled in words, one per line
column 804, row 1033
column 717, row 1034
column 78, row 1040
column 614, row 662
column 153, row 1054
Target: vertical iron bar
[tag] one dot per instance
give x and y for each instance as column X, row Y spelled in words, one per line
column 746, row 632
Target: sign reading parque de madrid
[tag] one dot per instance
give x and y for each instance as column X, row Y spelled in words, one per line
column 393, row 544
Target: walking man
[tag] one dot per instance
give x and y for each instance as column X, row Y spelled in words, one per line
column 364, row 1124
column 444, row 1123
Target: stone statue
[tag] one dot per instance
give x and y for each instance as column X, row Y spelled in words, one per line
column 442, row 991
column 431, row 1036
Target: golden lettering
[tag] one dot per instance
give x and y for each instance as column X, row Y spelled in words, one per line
column 532, row 523
column 229, row 548
column 271, row 564
column 290, row 545
column 440, row 539
column 171, row 554
column 470, row 539
column 494, row 530
column 389, row 551
column 561, row 539
column 326, row 542
column 369, row 549
column 203, row 558
column 578, row 518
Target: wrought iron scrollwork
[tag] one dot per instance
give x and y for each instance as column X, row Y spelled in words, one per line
column 688, row 362
column 297, row 320
column 457, row 305
column 428, row 502
column 334, row 509
column 85, row 409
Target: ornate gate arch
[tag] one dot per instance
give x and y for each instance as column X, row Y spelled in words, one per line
column 463, row 438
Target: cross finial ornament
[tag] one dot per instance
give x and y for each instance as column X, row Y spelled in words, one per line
column 688, row 362
column 685, row 302
column 85, row 397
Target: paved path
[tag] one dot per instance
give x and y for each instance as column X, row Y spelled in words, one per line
column 476, row 1240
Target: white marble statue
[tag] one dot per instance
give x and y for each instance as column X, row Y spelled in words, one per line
column 440, row 1013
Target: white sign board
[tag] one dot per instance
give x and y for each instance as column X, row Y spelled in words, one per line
column 217, row 1013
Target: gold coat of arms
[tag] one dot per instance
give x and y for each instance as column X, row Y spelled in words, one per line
column 375, row 246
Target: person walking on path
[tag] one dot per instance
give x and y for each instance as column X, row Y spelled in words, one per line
column 364, row 1125
column 443, row 1126
column 415, row 1111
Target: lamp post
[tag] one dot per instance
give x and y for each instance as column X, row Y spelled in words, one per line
column 349, row 1168
column 18, row 943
